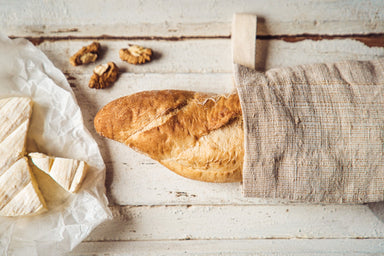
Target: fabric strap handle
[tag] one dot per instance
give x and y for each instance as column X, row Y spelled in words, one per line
column 244, row 39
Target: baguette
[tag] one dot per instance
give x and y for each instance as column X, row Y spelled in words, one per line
column 196, row 135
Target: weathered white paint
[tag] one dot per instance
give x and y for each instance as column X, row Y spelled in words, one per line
column 210, row 56
column 240, row 222
column 186, row 18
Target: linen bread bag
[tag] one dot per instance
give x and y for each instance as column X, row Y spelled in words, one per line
column 314, row 133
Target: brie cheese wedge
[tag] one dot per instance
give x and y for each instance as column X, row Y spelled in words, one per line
column 14, row 121
column 19, row 192
column 13, row 112
column 68, row 173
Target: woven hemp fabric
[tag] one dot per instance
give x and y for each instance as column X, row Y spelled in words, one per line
column 314, row 133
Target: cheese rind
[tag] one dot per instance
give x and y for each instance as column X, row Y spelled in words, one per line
column 19, row 193
column 14, row 121
column 32, row 203
column 13, row 112
column 68, row 173
column 13, row 180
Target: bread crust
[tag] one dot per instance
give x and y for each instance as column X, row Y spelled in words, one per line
column 197, row 135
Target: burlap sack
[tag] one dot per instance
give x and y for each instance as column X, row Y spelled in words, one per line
column 314, row 133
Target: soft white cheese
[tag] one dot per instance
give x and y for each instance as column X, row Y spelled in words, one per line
column 68, row 173
column 19, row 193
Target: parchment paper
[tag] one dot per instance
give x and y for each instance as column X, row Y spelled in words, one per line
column 56, row 129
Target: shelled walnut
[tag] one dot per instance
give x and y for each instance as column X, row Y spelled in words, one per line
column 86, row 55
column 104, row 76
column 135, row 54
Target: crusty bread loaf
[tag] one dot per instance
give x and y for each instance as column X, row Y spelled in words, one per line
column 199, row 136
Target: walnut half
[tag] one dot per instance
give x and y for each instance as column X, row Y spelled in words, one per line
column 104, row 76
column 135, row 54
column 86, row 55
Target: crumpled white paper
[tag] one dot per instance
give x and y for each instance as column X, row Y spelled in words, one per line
column 56, row 129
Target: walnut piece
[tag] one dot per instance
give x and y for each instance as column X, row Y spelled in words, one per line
column 104, row 76
column 135, row 54
column 86, row 55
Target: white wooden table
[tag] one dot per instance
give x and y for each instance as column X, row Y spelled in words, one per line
column 157, row 212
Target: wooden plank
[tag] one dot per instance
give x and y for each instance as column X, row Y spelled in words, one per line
column 197, row 222
column 210, row 56
column 135, row 179
column 174, row 19
column 191, row 56
column 262, row 247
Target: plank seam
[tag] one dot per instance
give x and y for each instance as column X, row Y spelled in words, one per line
column 282, row 204
column 365, row 38
column 235, row 239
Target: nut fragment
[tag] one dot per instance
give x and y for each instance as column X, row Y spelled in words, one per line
column 135, row 54
column 86, row 54
column 100, row 69
column 104, row 76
